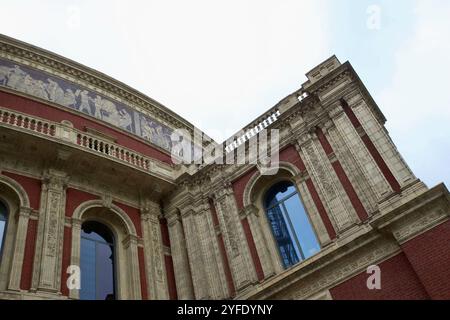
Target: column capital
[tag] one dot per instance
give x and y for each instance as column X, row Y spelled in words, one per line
column 248, row 211
column 150, row 209
column 54, row 179
column 25, row 212
column 173, row 217
column 130, row 240
column 76, row 222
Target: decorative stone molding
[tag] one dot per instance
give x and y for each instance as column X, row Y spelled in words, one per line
column 126, row 244
column 21, row 193
column 153, row 251
column 48, row 254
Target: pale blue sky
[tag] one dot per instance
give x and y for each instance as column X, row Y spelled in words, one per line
column 219, row 64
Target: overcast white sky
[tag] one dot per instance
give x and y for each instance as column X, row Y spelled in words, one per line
column 219, row 64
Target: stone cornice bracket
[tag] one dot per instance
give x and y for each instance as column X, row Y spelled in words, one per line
column 107, row 201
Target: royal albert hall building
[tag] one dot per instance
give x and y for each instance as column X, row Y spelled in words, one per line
column 87, row 183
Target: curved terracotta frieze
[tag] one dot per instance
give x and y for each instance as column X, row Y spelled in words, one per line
column 65, row 93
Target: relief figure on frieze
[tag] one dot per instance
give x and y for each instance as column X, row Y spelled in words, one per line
column 59, row 91
column 4, row 72
column 85, row 104
column 55, row 93
column 15, row 77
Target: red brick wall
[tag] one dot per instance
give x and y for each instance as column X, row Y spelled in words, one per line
column 173, row 295
column 429, row 255
column 398, row 282
column 239, row 187
column 45, row 111
column 291, row 155
column 170, row 273
column 253, row 251
column 76, row 197
column 144, row 292
column 27, row 267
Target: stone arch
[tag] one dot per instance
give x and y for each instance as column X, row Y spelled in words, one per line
column 123, row 216
column 249, row 188
column 127, row 274
column 18, row 189
column 17, row 200
column 253, row 196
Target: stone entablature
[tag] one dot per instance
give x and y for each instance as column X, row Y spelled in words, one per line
column 44, row 75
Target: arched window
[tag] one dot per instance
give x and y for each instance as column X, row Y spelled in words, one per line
column 290, row 224
column 3, row 223
column 97, row 262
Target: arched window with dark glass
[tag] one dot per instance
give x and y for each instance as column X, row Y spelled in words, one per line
column 3, row 223
column 97, row 262
column 291, row 227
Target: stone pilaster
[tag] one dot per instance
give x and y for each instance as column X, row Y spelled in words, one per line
column 311, row 208
column 75, row 252
column 269, row 261
column 349, row 162
column 153, row 252
column 382, row 141
column 196, row 261
column 48, row 256
column 217, row 287
column 234, row 238
column 322, row 173
column 19, row 249
column 130, row 245
column 379, row 187
column 185, row 290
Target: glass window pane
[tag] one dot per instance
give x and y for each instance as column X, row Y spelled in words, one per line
column 87, row 265
column 290, row 224
column 105, row 287
column 280, row 229
column 96, row 262
column 3, row 219
column 303, row 228
column 2, row 232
